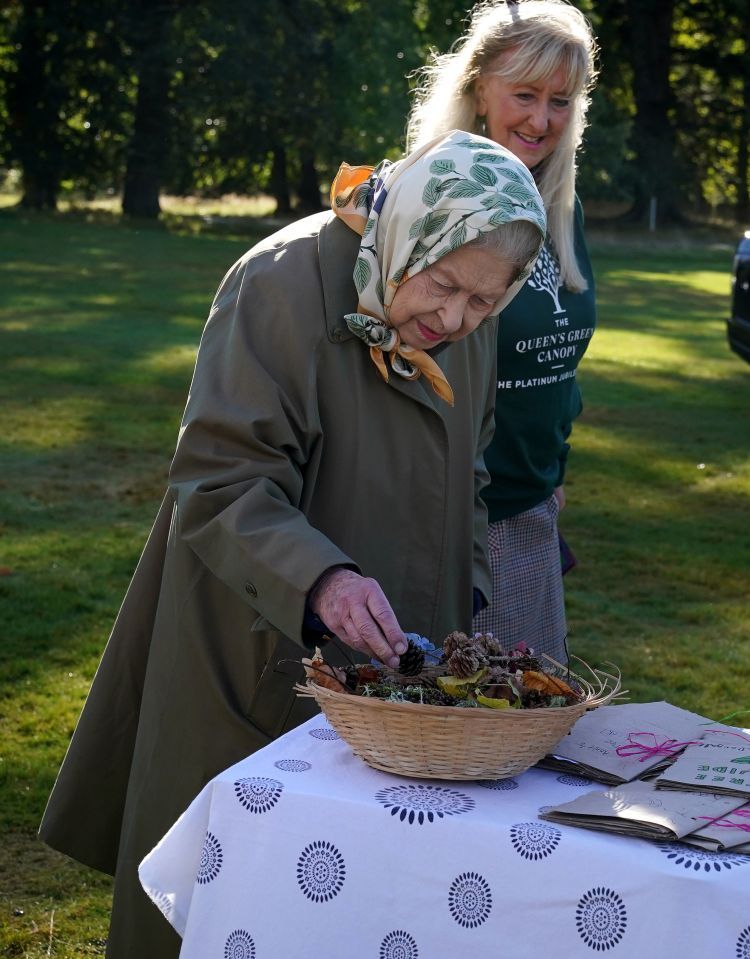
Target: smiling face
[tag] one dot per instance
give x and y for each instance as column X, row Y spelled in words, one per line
column 449, row 299
column 527, row 118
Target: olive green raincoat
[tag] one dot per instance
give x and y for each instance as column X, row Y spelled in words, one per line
column 293, row 456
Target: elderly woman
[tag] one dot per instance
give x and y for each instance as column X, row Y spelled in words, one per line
column 326, row 480
column 521, row 75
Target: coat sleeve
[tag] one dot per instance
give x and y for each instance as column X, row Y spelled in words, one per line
column 250, row 428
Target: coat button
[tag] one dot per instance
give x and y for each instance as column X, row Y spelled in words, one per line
column 249, row 588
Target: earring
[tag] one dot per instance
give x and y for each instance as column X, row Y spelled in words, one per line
column 482, row 124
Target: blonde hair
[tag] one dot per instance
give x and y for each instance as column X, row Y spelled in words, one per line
column 544, row 36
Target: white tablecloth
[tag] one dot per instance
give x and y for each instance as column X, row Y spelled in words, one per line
column 301, row 851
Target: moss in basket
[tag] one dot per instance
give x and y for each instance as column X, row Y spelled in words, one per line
column 391, row 693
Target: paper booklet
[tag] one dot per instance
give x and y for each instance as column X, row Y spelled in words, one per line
column 711, row 846
column 730, row 831
column 617, row 744
column 718, row 734
column 721, row 767
column 640, row 809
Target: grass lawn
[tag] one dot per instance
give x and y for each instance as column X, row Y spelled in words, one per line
column 659, row 483
column 100, row 322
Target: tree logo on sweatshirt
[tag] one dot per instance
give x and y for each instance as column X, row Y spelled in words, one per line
column 545, row 277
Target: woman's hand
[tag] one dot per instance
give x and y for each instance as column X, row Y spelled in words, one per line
column 355, row 609
column 559, row 492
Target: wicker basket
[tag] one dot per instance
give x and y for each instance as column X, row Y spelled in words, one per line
column 446, row 742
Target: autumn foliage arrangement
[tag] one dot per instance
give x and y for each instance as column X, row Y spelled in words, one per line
column 468, row 672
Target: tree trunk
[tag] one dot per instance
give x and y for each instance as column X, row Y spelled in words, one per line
column 743, row 148
column 33, row 101
column 653, row 137
column 279, row 182
column 40, row 189
column 150, row 139
column 309, row 187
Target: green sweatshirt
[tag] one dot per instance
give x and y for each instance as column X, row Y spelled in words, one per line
column 542, row 336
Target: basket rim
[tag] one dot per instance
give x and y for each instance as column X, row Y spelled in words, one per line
column 489, row 715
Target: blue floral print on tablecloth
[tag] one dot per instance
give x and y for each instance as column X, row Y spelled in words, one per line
column 569, row 780
column 398, row 945
column 239, row 945
column 499, row 784
column 423, row 803
column 470, row 899
column 257, row 793
column 321, row 871
column 534, row 840
column 701, row 860
column 212, row 858
column 324, row 732
column 293, row 765
column 601, row 918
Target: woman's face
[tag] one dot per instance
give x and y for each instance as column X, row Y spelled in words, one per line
column 448, row 300
column 526, row 118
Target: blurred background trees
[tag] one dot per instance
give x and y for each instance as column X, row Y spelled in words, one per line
column 207, row 97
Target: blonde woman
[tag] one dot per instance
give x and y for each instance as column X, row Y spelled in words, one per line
column 521, row 75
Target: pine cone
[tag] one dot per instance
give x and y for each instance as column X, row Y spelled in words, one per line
column 490, row 645
column 466, row 660
column 523, row 662
column 412, row 661
column 453, row 641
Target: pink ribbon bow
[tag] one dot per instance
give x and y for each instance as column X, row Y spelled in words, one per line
column 727, row 823
column 651, row 747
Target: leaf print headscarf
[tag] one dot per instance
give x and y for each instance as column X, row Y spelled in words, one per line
column 412, row 212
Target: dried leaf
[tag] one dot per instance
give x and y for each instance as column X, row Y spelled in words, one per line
column 493, row 703
column 458, row 687
column 550, row 685
column 367, row 673
column 318, row 671
column 500, row 691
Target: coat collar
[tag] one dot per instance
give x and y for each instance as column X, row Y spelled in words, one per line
column 338, row 246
